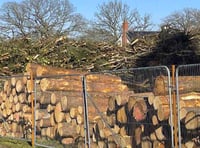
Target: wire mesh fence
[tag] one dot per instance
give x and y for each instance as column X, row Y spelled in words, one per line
column 188, row 98
column 59, row 111
column 14, row 106
column 123, row 108
column 129, row 108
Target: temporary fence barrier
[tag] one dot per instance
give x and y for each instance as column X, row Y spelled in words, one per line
column 14, row 122
column 59, row 110
column 129, row 108
column 123, row 108
column 188, row 106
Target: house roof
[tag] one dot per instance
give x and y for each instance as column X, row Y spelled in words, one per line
column 132, row 35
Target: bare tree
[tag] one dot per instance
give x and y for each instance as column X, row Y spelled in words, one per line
column 41, row 18
column 109, row 18
column 13, row 19
column 187, row 20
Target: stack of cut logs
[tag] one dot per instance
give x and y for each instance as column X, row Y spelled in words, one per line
column 189, row 103
column 117, row 116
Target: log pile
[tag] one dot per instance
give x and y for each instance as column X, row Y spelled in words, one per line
column 190, row 119
column 59, row 102
column 15, row 108
column 117, row 116
column 189, row 102
column 141, row 121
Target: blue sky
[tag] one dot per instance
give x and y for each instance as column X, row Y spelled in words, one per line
column 158, row 9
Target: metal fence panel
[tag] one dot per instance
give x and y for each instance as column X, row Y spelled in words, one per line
column 129, row 108
column 13, row 99
column 59, row 111
column 188, row 98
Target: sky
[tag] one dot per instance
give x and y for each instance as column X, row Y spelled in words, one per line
column 157, row 9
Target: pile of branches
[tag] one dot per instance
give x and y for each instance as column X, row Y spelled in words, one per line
column 70, row 54
column 164, row 48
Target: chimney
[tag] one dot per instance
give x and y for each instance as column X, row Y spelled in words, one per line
column 124, row 31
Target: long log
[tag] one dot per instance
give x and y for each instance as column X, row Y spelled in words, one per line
column 53, row 84
column 40, row 70
column 103, row 78
column 186, row 84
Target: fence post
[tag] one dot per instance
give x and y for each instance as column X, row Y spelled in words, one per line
column 32, row 111
column 174, row 102
column 86, row 123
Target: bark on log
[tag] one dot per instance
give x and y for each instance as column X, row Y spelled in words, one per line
column 40, row 70
column 70, row 85
column 68, row 130
column 45, row 122
column 41, row 113
column 104, row 78
column 45, row 98
column 186, row 84
column 53, row 84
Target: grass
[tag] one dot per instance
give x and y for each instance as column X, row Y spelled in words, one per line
column 6, row 142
